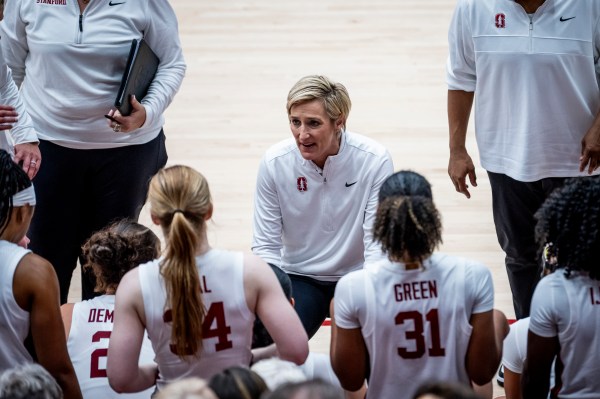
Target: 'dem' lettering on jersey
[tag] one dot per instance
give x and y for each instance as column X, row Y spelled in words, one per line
column 415, row 290
column 100, row 316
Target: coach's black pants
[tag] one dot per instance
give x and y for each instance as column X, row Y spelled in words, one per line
column 312, row 298
column 81, row 191
column 514, row 206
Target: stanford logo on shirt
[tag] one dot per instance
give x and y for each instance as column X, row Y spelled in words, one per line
column 302, row 184
column 53, row 2
column 500, row 20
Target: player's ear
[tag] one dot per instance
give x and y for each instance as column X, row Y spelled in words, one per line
column 155, row 219
column 209, row 213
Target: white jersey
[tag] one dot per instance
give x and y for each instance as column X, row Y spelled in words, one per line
column 318, row 365
column 91, row 326
column 535, row 79
column 14, row 321
column 227, row 326
column 318, row 223
column 514, row 347
column 415, row 323
column 570, row 309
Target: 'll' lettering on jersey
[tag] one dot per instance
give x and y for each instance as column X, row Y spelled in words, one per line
column 415, row 290
column 100, row 316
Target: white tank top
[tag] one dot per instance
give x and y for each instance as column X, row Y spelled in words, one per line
column 228, row 323
column 14, row 321
column 570, row 309
column 91, row 326
column 415, row 323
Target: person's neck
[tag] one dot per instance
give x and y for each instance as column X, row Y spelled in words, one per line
column 10, row 235
column 530, row 6
column 409, row 264
column 203, row 246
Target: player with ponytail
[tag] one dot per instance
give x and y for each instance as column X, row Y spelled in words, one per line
column 197, row 303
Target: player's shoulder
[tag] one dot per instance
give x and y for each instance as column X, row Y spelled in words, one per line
column 444, row 260
column 34, row 271
column 354, row 276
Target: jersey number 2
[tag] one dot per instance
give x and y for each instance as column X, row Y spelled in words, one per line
column 95, row 370
column 417, row 334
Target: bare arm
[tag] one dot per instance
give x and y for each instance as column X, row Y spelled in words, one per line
column 590, row 148
column 485, row 346
column 541, row 352
column 124, row 372
column 512, row 384
column 349, row 355
column 36, row 290
column 266, row 298
column 460, row 164
column 66, row 312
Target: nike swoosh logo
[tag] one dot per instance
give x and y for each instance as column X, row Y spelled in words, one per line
column 351, row 184
column 115, row 4
column 565, row 19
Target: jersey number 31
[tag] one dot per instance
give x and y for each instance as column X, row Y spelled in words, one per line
column 417, row 334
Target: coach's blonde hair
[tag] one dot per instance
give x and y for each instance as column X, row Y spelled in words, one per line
column 334, row 96
column 180, row 198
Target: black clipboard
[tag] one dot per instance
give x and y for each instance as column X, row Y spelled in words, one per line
column 140, row 70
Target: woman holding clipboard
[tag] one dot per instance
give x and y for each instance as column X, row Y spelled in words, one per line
column 69, row 58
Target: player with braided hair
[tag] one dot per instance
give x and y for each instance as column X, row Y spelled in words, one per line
column 417, row 315
column 29, row 295
column 110, row 253
column 565, row 309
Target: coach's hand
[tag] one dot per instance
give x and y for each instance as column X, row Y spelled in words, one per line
column 28, row 154
column 127, row 124
column 590, row 150
column 459, row 167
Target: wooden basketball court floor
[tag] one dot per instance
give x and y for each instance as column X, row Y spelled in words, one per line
column 244, row 55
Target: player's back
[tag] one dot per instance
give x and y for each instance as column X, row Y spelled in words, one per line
column 14, row 321
column 91, row 327
column 416, row 324
column 227, row 326
column 570, row 307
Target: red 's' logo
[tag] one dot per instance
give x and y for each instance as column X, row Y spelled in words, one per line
column 500, row 20
column 302, row 184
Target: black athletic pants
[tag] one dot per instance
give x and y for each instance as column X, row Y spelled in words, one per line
column 312, row 298
column 514, row 205
column 81, row 191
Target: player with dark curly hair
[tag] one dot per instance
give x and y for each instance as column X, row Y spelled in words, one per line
column 417, row 315
column 29, row 292
column 565, row 309
column 110, row 253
